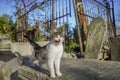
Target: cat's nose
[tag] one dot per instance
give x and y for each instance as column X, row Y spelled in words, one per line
column 58, row 39
column 58, row 36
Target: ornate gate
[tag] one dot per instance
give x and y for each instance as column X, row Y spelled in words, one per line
column 55, row 13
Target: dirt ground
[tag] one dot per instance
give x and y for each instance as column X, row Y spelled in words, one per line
column 80, row 69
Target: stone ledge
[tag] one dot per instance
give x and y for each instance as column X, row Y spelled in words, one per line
column 27, row 73
column 8, row 66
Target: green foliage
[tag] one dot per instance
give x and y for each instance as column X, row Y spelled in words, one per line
column 6, row 25
column 71, row 38
column 72, row 48
column 39, row 39
column 74, row 44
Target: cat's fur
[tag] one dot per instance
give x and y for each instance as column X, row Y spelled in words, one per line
column 52, row 53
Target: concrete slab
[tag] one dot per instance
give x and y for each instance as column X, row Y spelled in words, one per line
column 115, row 48
column 8, row 66
column 8, row 61
column 28, row 73
column 89, row 69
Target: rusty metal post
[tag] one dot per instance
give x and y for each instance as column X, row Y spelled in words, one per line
column 78, row 27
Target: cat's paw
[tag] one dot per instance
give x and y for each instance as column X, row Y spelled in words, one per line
column 52, row 76
column 59, row 74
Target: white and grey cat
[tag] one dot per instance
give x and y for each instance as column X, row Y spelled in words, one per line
column 52, row 53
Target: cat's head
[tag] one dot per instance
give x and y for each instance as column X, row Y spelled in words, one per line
column 57, row 38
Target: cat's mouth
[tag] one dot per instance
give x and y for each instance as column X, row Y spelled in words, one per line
column 57, row 41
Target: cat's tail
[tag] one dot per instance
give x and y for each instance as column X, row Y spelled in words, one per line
column 30, row 40
column 44, row 65
column 33, row 43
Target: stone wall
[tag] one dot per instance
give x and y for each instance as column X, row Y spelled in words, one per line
column 24, row 48
column 9, row 64
column 115, row 49
column 27, row 73
column 8, row 61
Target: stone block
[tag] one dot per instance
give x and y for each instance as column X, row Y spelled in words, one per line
column 27, row 73
column 8, row 61
column 23, row 48
column 115, row 49
column 8, row 65
column 96, row 36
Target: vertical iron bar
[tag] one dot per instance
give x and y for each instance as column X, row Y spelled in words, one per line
column 67, row 11
column 56, row 12
column 111, row 28
column 45, row 13
column 113, row 17
column 59, row 14
column 51, row 10
column 50, row 15
column 63, row 10
column 70, row 7
column 56, row 9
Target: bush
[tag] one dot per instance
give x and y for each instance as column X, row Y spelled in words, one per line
column 72, row 48
column 39, row 39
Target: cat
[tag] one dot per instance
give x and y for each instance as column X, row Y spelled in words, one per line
column 51, row 53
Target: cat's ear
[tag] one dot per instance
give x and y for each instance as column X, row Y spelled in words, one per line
column 63, row 33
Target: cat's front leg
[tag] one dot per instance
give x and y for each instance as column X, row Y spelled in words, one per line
column 57, row 67
column 51, row 68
